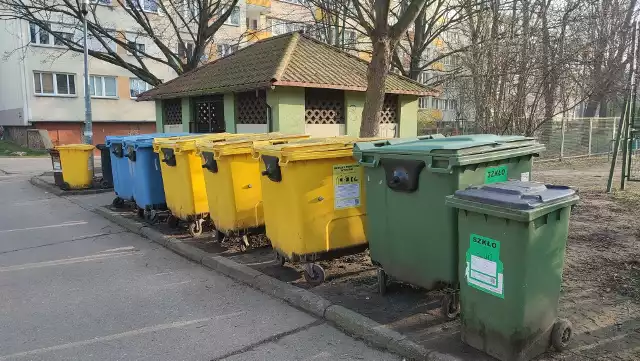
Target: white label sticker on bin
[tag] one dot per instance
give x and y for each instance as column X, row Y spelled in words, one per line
column 346, row 185
column 57, row 167
column 524, row 176
column 484, row 269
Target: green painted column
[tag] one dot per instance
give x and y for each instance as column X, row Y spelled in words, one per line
column 287, row 109
column 159, row 117
column 408, row 118
column 186, row 114
column 353, row 103
column 229, row 113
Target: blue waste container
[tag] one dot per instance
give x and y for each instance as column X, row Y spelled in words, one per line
column 122, row 169
column 119, row 169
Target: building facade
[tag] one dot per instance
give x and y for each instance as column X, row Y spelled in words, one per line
column 43, row 84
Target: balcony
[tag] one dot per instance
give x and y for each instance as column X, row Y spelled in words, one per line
column 261, row 3
column 255, row 35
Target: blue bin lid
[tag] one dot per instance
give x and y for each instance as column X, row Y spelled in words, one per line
column 113, row 139
column 130, row 140
column 517, row 195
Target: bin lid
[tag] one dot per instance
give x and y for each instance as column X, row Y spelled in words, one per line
column 514, row 199
column 146, row 140
column 244, row 145
column 75, row 147
column 475, row 148
column 113, row 139
column 189, row 142
column 312, row 148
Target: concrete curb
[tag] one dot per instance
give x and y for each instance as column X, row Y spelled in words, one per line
column 349, row 321
column 42, row 184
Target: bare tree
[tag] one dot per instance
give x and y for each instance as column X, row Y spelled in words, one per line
column 179, row 31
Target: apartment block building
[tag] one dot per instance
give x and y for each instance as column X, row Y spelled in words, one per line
column 42, row 83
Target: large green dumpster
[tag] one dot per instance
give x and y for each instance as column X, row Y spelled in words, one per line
column 512, row 239
column 411, row 233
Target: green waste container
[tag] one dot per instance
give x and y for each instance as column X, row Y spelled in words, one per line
column 411, row 233
column 512, row 238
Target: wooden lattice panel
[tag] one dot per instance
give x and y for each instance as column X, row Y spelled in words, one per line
column 389, row 112
column 251, row 107
column 324, row 106
column 172, row 110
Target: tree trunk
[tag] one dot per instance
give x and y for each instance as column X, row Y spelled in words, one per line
column 376, row 78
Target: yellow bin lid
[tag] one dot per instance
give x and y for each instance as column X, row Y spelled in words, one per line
column 245, row 145
column 189, row 142
column 75, row 147
column 312, row 148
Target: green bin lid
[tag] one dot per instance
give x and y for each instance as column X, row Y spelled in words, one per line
column 449, row 146
column 514, row 199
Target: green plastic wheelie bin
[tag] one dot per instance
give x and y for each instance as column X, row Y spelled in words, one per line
column 512, row 238
column 411, row 233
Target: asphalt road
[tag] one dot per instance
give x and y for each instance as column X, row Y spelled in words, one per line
column 74, row 286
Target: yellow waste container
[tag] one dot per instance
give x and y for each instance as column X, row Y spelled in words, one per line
column 232, row 180
column 76, row 168
column 313, row 194
column 183, row 179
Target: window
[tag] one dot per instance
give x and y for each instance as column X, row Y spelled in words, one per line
column 94, row 44
column 252, row 24
column 191, row 9
column 234, row 17
column 424, row 77
column 350, row 37
column 137, row 87
column 101, row 2
column 185, row 50
column 54, row 83
column 226, row 49
column 423, row 102
column 103, row 86
column 280, row 27
column 41, row 36
column 59, row 36
column 146, row 5
column 297, row 2
column 135, row 47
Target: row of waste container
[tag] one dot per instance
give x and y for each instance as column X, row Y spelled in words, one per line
column 458, row 214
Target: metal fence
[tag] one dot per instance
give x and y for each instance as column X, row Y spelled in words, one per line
column 564, row 139
column 577, row 137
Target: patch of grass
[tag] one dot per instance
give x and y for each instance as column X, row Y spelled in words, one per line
column 7, row 148
column 629, row 198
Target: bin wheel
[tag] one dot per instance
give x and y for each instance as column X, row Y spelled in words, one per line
column 173, row 221
column 153, row 216
column 450, row 306
column 280, row 260
column 142, row 213
column 195, row 229
column 65, row 186
column 313, row 274
column 244, row 243
column 561, row 334
column 118, row 202
column 105, row 184
column 219, row 235
column 382, row 281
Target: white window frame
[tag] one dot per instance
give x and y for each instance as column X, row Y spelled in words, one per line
column 51, row 41
column 104, row 87
column 286, row 25
column 54, row 76
column 141, row 6
column 101, row 2
column 227, row 49
column 147, row 86
column 294, row 2
column 137, row 47
column 423, row 103
column 228, row 20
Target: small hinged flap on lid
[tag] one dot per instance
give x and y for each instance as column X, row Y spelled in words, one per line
column 516, row 194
